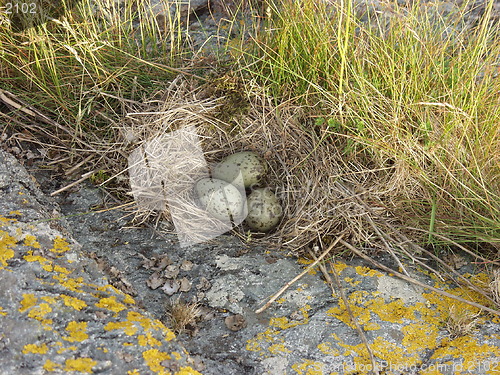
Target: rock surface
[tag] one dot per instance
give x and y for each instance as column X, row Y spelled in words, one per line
column 60, row 314
column 58, row 311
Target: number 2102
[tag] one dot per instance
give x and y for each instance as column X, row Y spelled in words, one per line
column 20, row 8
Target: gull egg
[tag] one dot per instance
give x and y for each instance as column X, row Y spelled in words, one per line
column 219, row 198
column 248, row 163
column 264, row 210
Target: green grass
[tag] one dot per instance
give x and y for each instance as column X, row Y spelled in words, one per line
column 418, row 96
column 82, row 66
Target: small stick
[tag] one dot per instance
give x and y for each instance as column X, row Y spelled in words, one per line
column 416, row 282
column 84, row 177
column 290, row 283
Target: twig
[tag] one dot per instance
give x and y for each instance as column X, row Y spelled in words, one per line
column 416, row 282
column 353, row 319
column 83, row 178
column 290, row 283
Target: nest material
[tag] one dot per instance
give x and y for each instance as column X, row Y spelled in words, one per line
column 321, row 192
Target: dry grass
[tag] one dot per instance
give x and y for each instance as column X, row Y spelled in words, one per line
column 322, row 192
column 495, row 287
column 461, row 322
column 181, row 314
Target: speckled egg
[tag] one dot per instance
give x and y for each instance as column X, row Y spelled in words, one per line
column 251, row 166
column 264, row 210
column 219, row 198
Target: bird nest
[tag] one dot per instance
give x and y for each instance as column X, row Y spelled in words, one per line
column 322, row 192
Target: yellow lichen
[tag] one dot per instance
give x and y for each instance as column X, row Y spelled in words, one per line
column 2, row 311
column 51, row 366
column 278, row 349
column 28, row 301
column 148, row 340
column 73, row 302
column 128, row 327
column 48, row 299
column 133, row 372
column 69, row 283
column 177, row 355
column 361, row 313
column 268, row 336
column 468, row 350
column 39, row 312
column 150, row 324
column 110, row 303
column 36, row 349
column 6, row 244
column 393, row 354
column 339, row 267
column 308, row 367
column 4, row 221
column 83, row 364
column 351, row 281
column 60, row 245
column 366, row 271
column 418, row 336
column 153, row 359
column 76, row 331
column 371, row 326
column 29, row 257
column 66, row 349
column 394, row 311
column 325, row 348
column 129, row 299
column 284, row 323
column 30, row 240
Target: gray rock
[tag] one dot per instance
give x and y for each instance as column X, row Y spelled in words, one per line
column 58, row 311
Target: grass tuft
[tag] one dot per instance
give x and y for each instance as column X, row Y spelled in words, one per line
column 414, row 89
